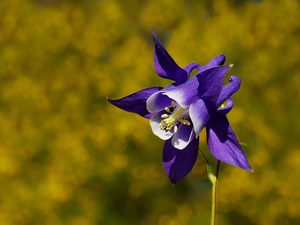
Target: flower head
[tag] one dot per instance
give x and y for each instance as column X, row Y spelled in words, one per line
column 181, row 110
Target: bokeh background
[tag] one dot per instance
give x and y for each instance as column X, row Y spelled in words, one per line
column 69, row 157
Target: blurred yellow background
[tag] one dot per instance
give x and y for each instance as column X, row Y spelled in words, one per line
column 69, row 157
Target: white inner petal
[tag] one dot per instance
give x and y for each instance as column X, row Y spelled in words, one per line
column 155, row 126
column 183, row 137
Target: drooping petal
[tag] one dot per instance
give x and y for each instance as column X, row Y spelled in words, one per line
column 226, row 109
column 223, row 143
column 199, row 114
column 136, row 102
column 165, row 65
column 210, row 85
column 229, row 89
column 154, row 123
column 183, row 136
column 219, row 60
column 178, row 163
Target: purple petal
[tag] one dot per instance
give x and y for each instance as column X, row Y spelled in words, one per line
column 199, row 115
column 211, row 83
column 154, row 123
column 215, row 62
column 136, row 102
column 189, row 68
column 165, row 65
column 158, row 101
column 183, row 136
column 229, row 89
column 178, row 163
column 226, row 109
column 186, row 93
column 223, row 143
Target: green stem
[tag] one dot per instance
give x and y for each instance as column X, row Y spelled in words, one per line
column 214, row 180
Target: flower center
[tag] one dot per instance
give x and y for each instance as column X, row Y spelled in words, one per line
column 175, row 115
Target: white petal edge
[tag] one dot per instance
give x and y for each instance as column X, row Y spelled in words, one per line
column 154, row 123
column 183, row 130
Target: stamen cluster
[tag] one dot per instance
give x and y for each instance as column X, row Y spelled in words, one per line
column 170, row 120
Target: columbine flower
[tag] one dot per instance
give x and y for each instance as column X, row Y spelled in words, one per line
column 181, row 110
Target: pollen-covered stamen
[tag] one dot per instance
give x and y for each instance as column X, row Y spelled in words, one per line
column 164, row 116
column 167, row 110
column 175, row 129
column 185, row 122
column 176, row 115
column 173, row 104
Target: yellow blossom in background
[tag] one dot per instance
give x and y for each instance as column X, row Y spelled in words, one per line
column 68, row 157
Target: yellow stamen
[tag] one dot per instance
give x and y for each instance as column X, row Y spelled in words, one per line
column 175, row 129
column 167, row 110
column 164, row 116
column 170, row 120
column 185, row 122
column 173, row 104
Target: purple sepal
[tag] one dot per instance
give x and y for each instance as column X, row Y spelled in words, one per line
column 178, row 163
column 136, row 102
column 165, row 65
column 223, row 143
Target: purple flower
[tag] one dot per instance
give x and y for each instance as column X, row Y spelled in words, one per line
column 181, row 110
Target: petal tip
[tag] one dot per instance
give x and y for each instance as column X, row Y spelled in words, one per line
column 248, row 168
column 222, row 59
column 153, row 32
